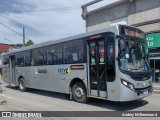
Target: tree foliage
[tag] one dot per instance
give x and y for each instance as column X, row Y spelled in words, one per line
column 29, row 42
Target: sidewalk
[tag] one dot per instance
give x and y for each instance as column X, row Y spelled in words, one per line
column 2, row 98
column 156, row 88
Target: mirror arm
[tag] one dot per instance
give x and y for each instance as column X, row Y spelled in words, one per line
column 120, row 56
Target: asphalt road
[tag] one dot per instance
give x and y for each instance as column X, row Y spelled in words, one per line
column 38, row 100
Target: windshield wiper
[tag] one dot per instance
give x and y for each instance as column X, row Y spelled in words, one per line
column 132, row 45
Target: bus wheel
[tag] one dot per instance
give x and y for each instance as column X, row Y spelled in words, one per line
column 79, row 92
column 22, row 86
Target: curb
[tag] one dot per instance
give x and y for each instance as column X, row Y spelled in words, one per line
column 156, row 91
column 3, row 102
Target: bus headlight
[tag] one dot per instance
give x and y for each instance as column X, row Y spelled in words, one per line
column 127, row 84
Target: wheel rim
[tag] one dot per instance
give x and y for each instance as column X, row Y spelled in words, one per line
column 79, row 92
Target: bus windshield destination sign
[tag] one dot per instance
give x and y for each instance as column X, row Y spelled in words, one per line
column 132, row 32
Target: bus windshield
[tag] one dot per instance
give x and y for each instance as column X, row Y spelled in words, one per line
column 135, row 57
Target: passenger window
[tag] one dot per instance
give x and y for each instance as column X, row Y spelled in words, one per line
column 19, row 60
column 6, row 61
column 34, row 57
column 110, row 59
column 54, row 54
column 27, row 56
column 111, row 55
column 73, row 52
column 38, row 57
column 42, row 56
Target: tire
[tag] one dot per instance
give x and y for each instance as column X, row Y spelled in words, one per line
column 22, row 86
column 79, row 92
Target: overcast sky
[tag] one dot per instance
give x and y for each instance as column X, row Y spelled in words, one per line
column 43, row 19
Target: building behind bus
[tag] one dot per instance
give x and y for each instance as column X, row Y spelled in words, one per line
column 6, row 48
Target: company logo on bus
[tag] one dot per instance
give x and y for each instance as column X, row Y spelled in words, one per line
column 40, row 70
column 64, row 71
column 144, row 84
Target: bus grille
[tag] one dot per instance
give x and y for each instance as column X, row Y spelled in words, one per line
column 140, row 91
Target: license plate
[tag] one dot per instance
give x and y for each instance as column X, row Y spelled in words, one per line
column 145, row 92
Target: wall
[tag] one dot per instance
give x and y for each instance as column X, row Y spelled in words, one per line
column 144, row 14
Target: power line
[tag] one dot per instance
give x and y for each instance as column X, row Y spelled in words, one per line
column 46, row 10
column 7, row 34
column 14, row 30
column 54, row 9
column 8, row 40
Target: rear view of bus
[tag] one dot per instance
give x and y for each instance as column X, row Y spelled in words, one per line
column 133, row 71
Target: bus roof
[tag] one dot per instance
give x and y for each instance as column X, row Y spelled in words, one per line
column 113, row 29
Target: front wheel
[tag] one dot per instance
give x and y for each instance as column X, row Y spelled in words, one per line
column 79, row 92
column 22, row 86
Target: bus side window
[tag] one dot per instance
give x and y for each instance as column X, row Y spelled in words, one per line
column 6, row 61
column 54, row 54
column 41, row 60
column 19, row 59
column 111, row 55
column 27, row 57
column 111, row 62
column 69, row 58
column 80, row 54
column 73, row 52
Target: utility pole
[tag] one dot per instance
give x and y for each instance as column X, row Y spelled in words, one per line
column 23, row 36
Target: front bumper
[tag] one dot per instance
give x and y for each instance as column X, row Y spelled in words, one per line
column 127, row 94
column 144, row 91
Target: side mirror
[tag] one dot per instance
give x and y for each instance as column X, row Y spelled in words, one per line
column 127, row 56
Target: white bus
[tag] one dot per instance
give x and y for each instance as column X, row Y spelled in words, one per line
column 109, row 64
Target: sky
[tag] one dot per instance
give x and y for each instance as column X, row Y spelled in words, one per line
column 43, row 20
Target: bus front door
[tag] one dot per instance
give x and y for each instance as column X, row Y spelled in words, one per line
column 12, row 71
column 97, row 68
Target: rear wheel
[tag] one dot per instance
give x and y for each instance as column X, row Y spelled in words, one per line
column 79, row 92
column 22, row 86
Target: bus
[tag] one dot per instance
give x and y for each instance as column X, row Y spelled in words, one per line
column 110, row 64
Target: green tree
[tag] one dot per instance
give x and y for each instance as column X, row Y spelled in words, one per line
column 29, row 42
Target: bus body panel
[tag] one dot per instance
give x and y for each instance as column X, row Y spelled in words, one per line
column 113, row 87
column 51, row 78
column 6, row 74
column 128, row 94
